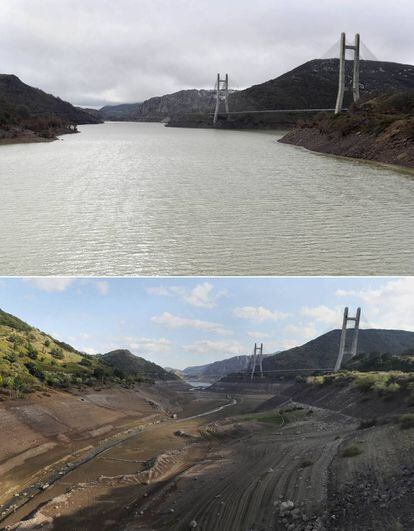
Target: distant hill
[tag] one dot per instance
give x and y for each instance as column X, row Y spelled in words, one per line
column 218, row 369
column 160, row 108
column 312, row 85
column 32, row 360
column 315, row 84
column 120, row 112
column 130, row 364
column 321, row 353
column 34, row 102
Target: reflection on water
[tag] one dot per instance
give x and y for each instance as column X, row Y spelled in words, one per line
column 125, row 198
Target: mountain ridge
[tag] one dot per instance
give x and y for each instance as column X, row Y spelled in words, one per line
column 313, row 84
column 321, row 352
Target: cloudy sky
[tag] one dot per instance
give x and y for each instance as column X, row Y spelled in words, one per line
column 95, row 51
column 191, row 321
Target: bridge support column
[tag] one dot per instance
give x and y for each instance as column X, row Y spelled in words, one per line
column 222, row 95
column 342, row 343
column 355, row 78
column 257, row 359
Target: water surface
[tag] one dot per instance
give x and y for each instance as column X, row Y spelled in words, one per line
column 131, row 198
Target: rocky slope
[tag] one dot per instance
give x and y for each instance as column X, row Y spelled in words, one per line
column 379, row 129
column 160, row 108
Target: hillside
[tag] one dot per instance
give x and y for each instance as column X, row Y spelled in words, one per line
column 160, row 108
column 218, row 369
column 321, row 353
column 129, row 364
column 315, row 84
column 118, row 112
column 31, row 360
column 29, row 114
column 39, row 103
column 380, row 129
column 312, row 85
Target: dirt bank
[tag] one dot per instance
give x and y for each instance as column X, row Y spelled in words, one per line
column 51, row 427
column 387, row 149
column 380, row 129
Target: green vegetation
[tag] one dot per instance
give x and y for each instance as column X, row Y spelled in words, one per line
column 377, row 361
column 384, row 384
column 6, row 319
column 406, row 421
column 269, row 417
column 373, row 116
column 352, row 451
column 31, row 360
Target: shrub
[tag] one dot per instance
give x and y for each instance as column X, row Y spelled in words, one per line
column 364, row 424
column 35, row 371
column 11, row 356
column 352, row 451
column 57, row 353
column 16, row 340
column 31, row 352
column 85, row 362
column 406, row 421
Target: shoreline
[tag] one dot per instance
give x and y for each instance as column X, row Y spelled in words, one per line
column 347, row 158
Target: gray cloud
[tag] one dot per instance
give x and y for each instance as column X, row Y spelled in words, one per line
column 96, row 51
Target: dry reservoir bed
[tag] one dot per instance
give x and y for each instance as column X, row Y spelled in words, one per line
column 247, row 466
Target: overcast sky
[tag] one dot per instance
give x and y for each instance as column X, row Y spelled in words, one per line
column 178, row 322
column 90, row 52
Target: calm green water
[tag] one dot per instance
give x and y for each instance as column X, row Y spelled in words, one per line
column 130, row 198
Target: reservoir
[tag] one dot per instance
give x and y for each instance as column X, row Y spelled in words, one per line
column 144, row 199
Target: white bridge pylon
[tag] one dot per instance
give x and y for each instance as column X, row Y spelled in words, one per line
column 222, row 95
column 355, row 79
column 257, row 360
column 342, row 342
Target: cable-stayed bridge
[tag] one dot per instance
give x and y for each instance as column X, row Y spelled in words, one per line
column 356, row 50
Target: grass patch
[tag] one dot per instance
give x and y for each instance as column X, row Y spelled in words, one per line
column 352, row 451
column 268, row 417
column 406, row 421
